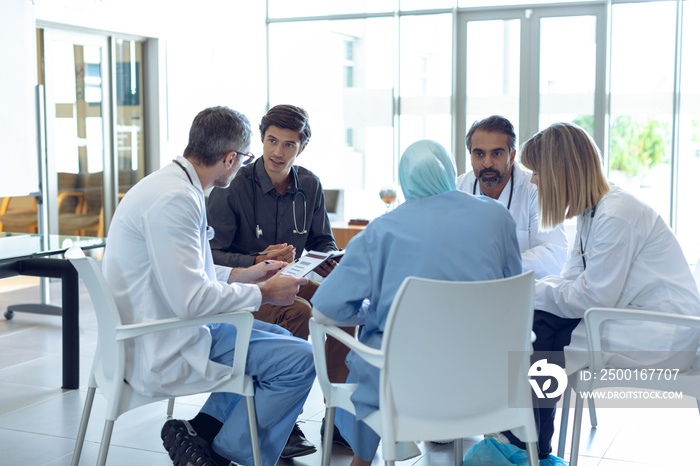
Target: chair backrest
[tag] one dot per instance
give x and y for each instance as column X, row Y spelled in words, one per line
column 109, row 353
column 448, row 346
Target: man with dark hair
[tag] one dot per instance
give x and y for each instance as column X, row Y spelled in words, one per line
column 274, row 210
column 158, row 265
column 496, row 174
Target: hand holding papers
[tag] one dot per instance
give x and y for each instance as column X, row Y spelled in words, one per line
column 309, row 261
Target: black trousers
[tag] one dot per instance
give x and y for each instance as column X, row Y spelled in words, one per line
column 553, row 334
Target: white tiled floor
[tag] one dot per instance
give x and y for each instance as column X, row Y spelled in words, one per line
column 39, row 420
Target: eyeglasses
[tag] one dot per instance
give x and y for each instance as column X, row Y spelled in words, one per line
column 246, row 158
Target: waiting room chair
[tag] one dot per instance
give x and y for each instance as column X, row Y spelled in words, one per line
column 687, row 382
column 566, row 398
column 18, row 214
column 108, row 369
column 86, row 196
column 444, row 364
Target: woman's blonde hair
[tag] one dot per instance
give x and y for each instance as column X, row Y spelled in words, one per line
column 568, row 166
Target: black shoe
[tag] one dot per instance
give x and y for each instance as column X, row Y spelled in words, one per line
column 184, row 446
column 297, row 445
column 337, row 438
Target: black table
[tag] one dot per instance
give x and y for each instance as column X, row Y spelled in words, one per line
column 39, row 256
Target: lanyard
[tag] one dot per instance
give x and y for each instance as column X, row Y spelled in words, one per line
column 588, row 235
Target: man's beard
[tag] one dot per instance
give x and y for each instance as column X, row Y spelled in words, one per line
column 492, row 181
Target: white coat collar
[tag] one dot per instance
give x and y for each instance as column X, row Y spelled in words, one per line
column 189, row 169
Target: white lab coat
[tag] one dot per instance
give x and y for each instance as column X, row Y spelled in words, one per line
column 633, row 261
column 542, row 251
column 158, row 265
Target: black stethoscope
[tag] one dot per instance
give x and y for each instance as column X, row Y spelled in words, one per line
column 297, row 192
column 512, row 183
column 580, row 237
column 210, row 230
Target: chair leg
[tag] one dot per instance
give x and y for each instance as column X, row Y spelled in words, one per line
column 171, row 408
column 591, row 412
column 576, row 434
column 532, row 458
column 564, row 424
column 328, row 436
column 80, row 439
column 253, row 428
column 459, row 452
column 104, row 446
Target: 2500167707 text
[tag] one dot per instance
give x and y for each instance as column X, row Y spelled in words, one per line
column 631, row 374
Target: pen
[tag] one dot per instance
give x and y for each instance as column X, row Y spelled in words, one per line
column 267, row 262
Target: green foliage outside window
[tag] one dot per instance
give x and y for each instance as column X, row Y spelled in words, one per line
column 635, row 145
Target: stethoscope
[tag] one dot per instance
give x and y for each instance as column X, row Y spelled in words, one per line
column 210, row 230
column 512, row 183
column 588, row 235
column 297, row 192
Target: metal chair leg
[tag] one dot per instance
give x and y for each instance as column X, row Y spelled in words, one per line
column 253, row 427
column 564, row 424
column 532, row 457
column 80, row 440
column 171, row 408
column 576, row 434
column 328, row 436
column 459, row 452
column 591, row 412
column 104, row 446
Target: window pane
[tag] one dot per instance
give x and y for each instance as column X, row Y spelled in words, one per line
column 411, row 5
column 477, row 3
column 426, row 80
column 493, row 72
column 688, row 226
column 642, row 100
column 351, row 146
column 130, row 116
column 300, row 8
column 567, row 69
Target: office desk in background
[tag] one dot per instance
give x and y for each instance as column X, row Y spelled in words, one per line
column 38, row 256
column 344, row 234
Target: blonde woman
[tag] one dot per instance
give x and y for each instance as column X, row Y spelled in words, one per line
column 624, row 256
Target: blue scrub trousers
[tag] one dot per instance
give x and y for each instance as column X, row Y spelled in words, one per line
column 283, row 372
column 363, row 440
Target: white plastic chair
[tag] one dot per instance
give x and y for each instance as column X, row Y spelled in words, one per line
column 108, row 369
column 687, row 382
column 566, row 398
column 444, row 364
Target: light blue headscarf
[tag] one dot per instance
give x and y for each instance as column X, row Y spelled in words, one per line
column 426, row 169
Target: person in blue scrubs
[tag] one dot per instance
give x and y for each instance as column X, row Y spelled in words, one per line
column 439, row 233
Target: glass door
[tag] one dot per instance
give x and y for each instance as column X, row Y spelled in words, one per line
column 533, row 66
column 77, row 130
column 130, row 118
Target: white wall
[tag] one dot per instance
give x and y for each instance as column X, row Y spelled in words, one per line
column 17, row 105
column 214, row 52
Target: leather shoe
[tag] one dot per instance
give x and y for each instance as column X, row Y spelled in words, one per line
column 337, row 438
column 297, row 445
